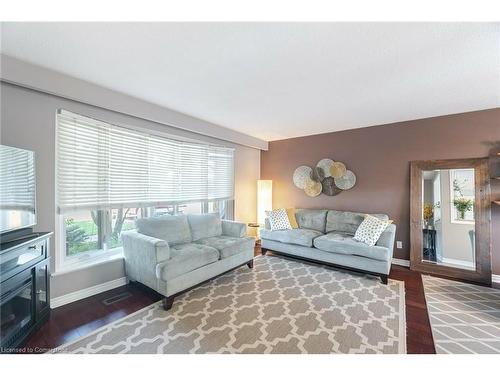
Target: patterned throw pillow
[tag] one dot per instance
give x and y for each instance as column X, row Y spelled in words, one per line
column 278, row 219
column 370, row 230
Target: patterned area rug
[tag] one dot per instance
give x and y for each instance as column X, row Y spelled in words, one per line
column 465, row 318
column 280, row 306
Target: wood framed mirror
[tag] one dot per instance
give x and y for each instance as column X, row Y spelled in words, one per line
column 450, row 218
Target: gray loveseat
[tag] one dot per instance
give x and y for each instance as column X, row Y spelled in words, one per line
column 171, row 254
column 326, row 236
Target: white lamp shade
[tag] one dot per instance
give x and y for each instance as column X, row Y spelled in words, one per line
column 264, row 199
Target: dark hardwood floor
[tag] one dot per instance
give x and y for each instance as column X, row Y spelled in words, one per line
column 78, row 319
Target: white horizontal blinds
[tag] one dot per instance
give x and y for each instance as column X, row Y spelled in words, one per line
column 220, row 173
column 163, row 175
column 128, row 167
column 82, row 163
column 193, row 172
column 17, row 179
column 104, row 166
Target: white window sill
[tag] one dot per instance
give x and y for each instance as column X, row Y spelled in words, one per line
column 463, row 222
column 77, row 265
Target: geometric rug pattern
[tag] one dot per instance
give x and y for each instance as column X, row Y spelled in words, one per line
column 279, row 306
column 464, row 318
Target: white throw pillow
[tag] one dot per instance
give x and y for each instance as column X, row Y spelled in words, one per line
column 278, row 219
column 370, row 230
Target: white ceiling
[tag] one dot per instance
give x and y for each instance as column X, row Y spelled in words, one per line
column 278, row 80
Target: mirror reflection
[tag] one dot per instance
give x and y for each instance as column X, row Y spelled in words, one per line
column 448, row 226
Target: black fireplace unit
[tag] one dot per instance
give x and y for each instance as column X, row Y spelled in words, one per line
column 24, row 287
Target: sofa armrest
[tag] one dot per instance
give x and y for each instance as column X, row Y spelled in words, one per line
column 267, row 224
column 142, row 254
column 151, row 247
column 233, row 228
column 387, row 238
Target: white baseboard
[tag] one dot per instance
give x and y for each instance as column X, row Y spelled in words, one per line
column 87, row 292
column 459, row 263
column 495, row 279
column 401, row 262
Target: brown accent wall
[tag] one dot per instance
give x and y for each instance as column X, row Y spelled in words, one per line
column 380, row 156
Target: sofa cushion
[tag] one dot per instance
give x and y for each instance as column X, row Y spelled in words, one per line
column 303, row 237
column 186, row 258
column 348, row 222
column 228, row 246
column 173, row 229
column 205, row 225
column 343, row 243
column 311, row 219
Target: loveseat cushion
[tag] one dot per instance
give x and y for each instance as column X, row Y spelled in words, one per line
column 173, row 229
column 311, row 219
column 343, row 243
column 348, row 222
column 228, row 246
column 205, row 225
column 303, row 237
column 185, row 258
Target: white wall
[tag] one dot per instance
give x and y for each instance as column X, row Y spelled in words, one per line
column 28, row 121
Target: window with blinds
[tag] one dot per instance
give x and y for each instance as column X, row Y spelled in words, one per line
column 17, row 179
column 102, row 166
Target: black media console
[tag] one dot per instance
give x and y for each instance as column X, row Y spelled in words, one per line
column 24, row 287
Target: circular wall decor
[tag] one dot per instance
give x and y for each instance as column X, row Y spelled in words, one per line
column 347, row 181
column 329, row 187
column 301, row 175
column 337, row 169
column 325, row 165
column 317, row 174
column 328, row 177
column 313, row 188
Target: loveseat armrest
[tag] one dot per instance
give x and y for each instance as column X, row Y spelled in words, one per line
column 233, row 228
column 142, row 254
column 387, row 238
column 155, row 249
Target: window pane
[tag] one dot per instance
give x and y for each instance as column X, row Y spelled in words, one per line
column 163, row 210
column 223, row 207
column 121, row 220
column 189, row 208
column 463, row 194
column 81, row 233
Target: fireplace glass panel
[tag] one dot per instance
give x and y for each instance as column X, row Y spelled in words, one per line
column 16, row 309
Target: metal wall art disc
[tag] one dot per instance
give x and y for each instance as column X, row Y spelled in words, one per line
column 313, row 188
column 301, row 176
column 317, row 174
column 325, row 165
column 347, row 181
column 337, row 169
column 329, row 187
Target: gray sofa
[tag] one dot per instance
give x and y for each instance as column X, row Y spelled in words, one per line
column 326, row 236
column 171, row 254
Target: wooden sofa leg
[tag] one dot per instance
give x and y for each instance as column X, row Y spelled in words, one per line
column 263, row 251
column 168, row 302
column 250, row 264
column 385, row 279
